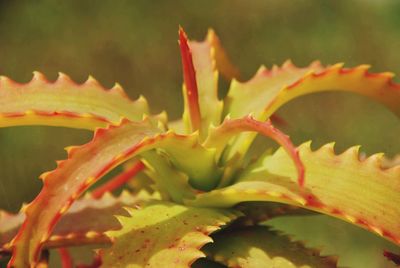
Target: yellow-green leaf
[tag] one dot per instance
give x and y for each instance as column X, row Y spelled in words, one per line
column 163, row 234
column 65, row 103
column 88, row 163
column 208, row 58
column 268, row 90
column 360, row 192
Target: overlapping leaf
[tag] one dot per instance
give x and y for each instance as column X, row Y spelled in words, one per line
column 88, row 163
column 164, row 234
column 161, row 171
column 259, row 246
column 65, row 103
column 360, row 192
column 354, row 246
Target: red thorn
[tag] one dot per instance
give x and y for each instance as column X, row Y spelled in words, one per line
column 392, row 257
column 189, row 76
column 118, row 180
column 278, row 120
column 66, row 259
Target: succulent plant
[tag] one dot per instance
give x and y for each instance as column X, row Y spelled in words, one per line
column 195, row 181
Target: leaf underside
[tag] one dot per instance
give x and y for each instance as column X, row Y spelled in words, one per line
column 360, row 192
column 258, row 246
column 95, row 216
column 163, row 233
column 65, row 103
column 256, row 212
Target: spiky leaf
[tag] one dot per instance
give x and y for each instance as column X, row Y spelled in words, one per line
column 65, row 103
column 163, row 233
column 258, row 246
column 95, row 216
column 268, row 90
column 87, row 164
column 360, row 192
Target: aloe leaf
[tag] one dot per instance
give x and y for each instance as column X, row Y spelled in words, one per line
column 163, row 233
column 222, row 62
column 65, row 103
column 258, row 246
column 359, row 192
column 268, row 90
column 192, row 114
column 201, row 63
column 95, row 216
column 88, row 163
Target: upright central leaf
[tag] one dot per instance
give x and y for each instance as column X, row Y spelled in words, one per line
column 190, row 87
column 201, row 63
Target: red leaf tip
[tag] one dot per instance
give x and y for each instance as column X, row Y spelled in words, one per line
column 189, row 76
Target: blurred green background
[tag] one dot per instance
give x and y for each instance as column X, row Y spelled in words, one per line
column 135, row 43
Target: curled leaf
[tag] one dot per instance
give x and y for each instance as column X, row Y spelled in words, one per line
column 267, row 91
column 220, row 136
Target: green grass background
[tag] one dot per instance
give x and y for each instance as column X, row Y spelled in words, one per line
column 135, row 43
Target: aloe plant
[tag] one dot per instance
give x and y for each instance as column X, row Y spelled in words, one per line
column 194, row 183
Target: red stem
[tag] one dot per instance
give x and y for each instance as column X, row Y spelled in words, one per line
column 189, row 76
column 66, row 259
column 118, row 180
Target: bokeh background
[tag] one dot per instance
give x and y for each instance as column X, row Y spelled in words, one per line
column 135, row 43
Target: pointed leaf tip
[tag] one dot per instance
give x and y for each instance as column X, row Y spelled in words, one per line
column 189, row 76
